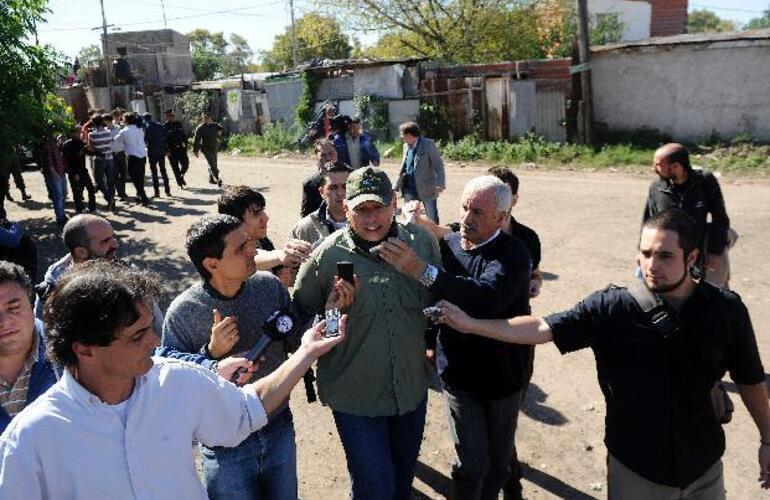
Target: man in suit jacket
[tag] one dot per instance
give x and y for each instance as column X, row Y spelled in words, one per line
column 422, row 174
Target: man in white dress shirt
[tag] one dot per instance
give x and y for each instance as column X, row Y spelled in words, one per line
column 120, row 424
column 132, row 139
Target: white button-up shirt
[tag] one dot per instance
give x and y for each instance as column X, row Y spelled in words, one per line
column 132, row 138
column 69, row 444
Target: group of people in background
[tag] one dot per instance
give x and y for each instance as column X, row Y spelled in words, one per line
column 111, row 150
column 425, row 298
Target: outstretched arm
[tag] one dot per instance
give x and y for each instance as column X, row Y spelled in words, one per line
column 755, row 398
column 527, row 330
column 274, row 389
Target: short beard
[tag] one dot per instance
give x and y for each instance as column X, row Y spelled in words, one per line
column 670, row 288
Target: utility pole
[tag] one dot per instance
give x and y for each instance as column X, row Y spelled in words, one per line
column 584, row 52
column 163, row 8
column 293, row 35
column 107, row 63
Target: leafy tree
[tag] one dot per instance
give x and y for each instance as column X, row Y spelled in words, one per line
column 89, row 56
column 759, row 22
column 213, row 54
column 29, row 111
column 318, row 37
column 462, row 31
column 206, row 50
column 705, row 21
column 606, row 28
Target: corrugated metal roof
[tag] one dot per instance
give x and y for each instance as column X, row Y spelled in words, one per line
column 697, row 38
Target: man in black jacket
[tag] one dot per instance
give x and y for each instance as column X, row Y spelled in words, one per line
column 176, row 147
column 488, row 272
column 696, row 192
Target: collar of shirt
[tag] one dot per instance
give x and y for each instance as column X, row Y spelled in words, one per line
column 491, row 238
column 31, row 359
column 83, row 396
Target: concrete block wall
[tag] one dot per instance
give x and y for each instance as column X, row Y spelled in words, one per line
column 718, row 89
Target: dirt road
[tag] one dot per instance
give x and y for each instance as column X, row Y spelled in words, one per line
column 588, row 224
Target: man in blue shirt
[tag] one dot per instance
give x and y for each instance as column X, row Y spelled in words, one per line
column 25, row 372
column 355, row 147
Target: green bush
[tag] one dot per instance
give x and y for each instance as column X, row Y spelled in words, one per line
column 274, row 139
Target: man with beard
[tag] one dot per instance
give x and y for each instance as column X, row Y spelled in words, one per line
column 376, row 386
column 311, row 198
column 657, row 367
column 696, row 192
column 330, row 216
column 87, row 237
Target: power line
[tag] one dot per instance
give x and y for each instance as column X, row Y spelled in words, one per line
column 729, row 9
column 152, row 21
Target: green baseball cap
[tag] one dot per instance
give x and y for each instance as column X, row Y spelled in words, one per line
column 368, row 184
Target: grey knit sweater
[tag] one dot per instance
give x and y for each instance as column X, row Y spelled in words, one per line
column 187, row 327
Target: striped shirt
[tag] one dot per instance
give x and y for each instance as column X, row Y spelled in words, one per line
column 101, row 140
column 13, row 397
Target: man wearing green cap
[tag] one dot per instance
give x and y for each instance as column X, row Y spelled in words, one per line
column 376, row 384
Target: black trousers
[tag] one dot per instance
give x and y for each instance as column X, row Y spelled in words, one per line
column 211, row 159
column 159, row 161
column 180, row 163
column 79, row 180
column 121, row 168
column 136, row 173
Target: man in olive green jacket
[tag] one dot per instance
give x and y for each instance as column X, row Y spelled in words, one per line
column 376, row 383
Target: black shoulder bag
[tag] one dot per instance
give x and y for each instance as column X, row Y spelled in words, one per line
column 661, row 319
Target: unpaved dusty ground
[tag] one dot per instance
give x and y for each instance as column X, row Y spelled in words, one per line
column 588, row 224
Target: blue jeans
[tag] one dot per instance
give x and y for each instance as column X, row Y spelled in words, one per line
column 382, row 452
column 105, row 175
column 263, row 466
column 57, row 184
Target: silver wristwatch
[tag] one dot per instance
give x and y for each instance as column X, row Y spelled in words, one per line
column 428, row 276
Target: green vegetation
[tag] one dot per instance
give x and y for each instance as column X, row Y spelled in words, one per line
column 318, row 37
column 705, row 21
column 29, row 110
column 740, row 156
column 274, row 139
column 213, row 55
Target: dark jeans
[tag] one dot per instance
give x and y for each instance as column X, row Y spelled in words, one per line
column 18, row 179
column 382, row 452
column 80, row 179
column 105, row 176
column 263, row 466
column 483, row 433
column 159, row 160
column 211, row 159
column 121, row 170
column 136, row 173
column 179, row 164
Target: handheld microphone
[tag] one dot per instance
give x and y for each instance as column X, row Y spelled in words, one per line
column 276, row 329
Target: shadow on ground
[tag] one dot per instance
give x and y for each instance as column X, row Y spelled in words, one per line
column 442, row 485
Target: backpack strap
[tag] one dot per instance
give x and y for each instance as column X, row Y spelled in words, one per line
column 655, row 310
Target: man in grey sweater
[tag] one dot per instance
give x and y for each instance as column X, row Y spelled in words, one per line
column 237, row 301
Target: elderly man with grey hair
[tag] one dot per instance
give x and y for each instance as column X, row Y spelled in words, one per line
column 486, row 271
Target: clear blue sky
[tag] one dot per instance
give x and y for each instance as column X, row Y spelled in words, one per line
column 70, row 22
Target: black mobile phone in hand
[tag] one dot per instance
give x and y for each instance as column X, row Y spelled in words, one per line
column 345, row 271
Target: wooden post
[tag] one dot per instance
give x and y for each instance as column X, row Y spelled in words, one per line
column 584, row 51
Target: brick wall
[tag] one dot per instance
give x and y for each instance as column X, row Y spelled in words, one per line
column 669, row 17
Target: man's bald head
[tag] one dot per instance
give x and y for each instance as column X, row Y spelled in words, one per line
column 672, row 162
column 88, row 236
